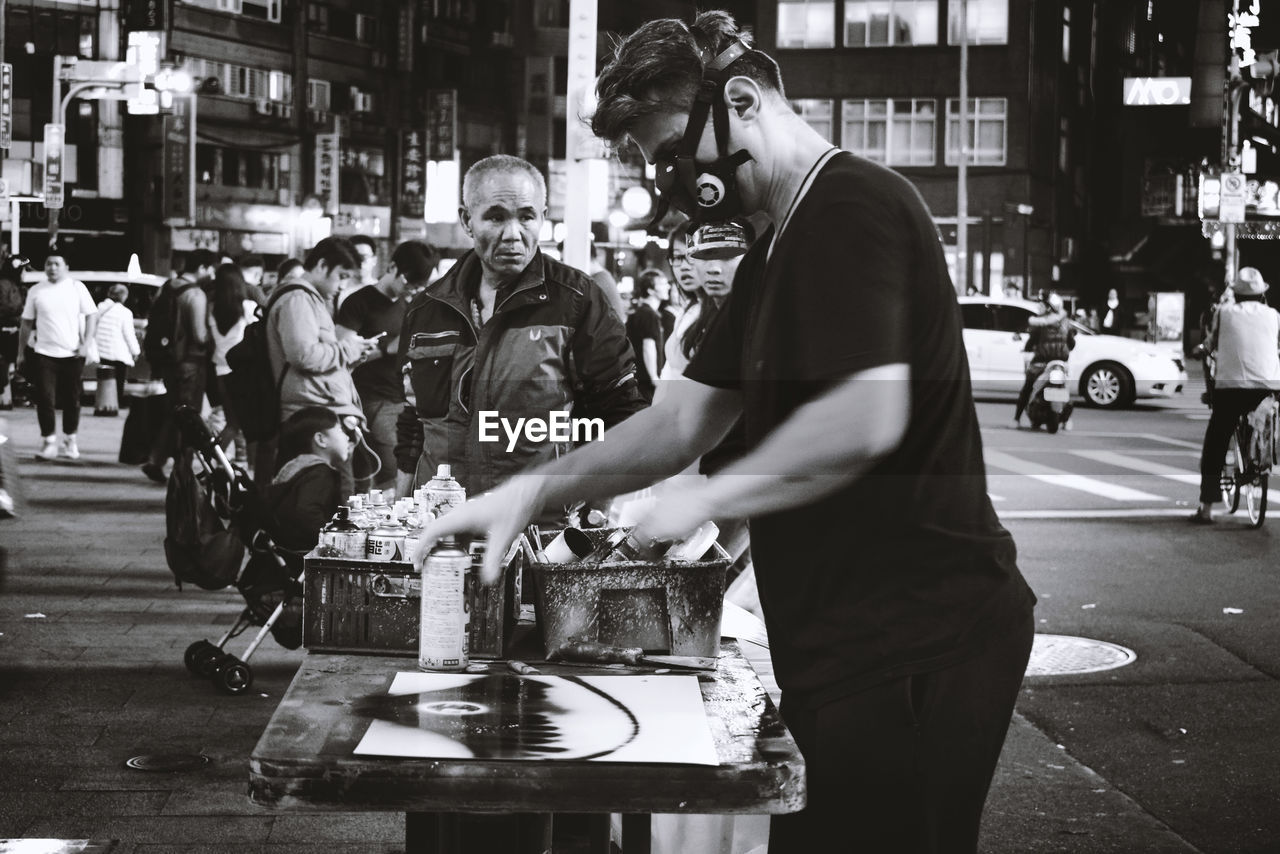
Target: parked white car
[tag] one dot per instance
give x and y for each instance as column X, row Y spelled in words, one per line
column 1108, row 371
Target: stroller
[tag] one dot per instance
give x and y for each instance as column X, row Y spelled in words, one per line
column 269, row 581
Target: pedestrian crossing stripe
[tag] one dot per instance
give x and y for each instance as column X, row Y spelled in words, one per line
column 1078, row 482
column 1145, row 466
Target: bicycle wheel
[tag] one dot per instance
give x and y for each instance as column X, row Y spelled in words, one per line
column 1255, row 492
column 1229, row 484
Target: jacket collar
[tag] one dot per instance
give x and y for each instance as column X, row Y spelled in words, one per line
column 459, row 285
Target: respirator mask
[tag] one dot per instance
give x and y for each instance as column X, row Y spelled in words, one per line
column 708, row 193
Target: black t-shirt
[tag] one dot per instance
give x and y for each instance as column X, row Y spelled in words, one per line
column 907, row 569
column 645, row 323
column 368, row 311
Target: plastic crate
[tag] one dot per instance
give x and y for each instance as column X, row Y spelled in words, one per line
column 661, row 607
column 375, row 606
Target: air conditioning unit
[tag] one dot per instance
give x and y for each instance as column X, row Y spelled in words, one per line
column 318, row 117
column 285, row 111
column 263, row 106
column 379, row 59
column 362, row 103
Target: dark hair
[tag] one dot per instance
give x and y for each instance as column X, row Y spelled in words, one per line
column 228, row 297
column 252, row 261
column 646, row 281
column 287, row 266
column 298, row 429
column 415, row 259
column 334, row 252
column 198, row 258
column 658, row 68
column 366, row 240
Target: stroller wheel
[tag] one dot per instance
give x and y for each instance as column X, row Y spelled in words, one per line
column 192, row 655
column 208, row 661
column 235, row 676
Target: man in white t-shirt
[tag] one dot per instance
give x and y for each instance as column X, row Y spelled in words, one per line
column 64, row 318
column 1246, row 338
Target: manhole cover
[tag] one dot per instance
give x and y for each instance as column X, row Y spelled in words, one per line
column 1058, row 655
column 168, row 761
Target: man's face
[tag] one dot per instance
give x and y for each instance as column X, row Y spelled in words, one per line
column 329, row 281
column 55, row 268
column 504, row 217
column 253, row 275
column 368, row 262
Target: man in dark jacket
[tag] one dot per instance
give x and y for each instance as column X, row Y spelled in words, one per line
column 1051, row 339
column 507, row 345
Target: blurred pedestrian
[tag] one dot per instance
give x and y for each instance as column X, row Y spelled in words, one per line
column 11, row 301
column 377, row 311
column 604, row 279
column 116, row 337
column 1245, row 339
column 253, row 268
column 367, row 254
column 899, row 625
column 644, row 328
column 231, row 309
column 64, row 318
column 1113, row 319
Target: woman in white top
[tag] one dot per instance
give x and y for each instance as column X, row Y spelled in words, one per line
column 115, row 338
column 230, row 311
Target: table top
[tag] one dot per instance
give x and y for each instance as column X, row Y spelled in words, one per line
column 305, row 757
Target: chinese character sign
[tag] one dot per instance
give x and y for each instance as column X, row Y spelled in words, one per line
column 1240, row 27
column 179, row 179
column 6, row 105
column 413, row 174
column 442, row 123
column 327, row 170
column 54, row 136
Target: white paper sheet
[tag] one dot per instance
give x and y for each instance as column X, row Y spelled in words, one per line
column 621, row 718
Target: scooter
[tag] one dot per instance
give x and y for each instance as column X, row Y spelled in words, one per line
column 1050, row 402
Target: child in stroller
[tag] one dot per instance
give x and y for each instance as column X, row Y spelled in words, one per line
column 279, row 525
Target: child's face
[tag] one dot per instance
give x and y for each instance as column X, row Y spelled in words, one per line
column 334, row 444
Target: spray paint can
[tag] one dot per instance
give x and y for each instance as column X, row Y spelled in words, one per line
column 442, row 632
column 443, row 492
column 342, row 537
column 386, row 542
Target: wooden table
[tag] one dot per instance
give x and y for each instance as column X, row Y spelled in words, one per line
column 304, row 761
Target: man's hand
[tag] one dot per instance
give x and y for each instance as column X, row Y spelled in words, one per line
column 500, row 516
column 674, row 517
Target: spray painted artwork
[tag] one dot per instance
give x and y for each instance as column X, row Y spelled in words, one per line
column 651, row 719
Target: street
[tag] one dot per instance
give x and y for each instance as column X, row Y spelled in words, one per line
column 1172, row 752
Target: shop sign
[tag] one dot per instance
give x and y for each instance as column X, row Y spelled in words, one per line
column 1157, row 91
column 404, row 44
column 413, row 162
column 361, row 219
column 187, row 239
column 1231, row 197
column 327, row 170
column 54, row 136
column 179, row 175
column 442, row 123
column 1240, row 26
column 6, row 105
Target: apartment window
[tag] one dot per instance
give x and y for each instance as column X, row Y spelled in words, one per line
column 318, row 94
column 806, row 23
column 551, row 13
column 986, row 134
column 1066, row 34
column 884, row 23
column 242, row 82
column 263, row 10
column 817, row 114
column 896, row 132
column 988, row 21
column 366, row 29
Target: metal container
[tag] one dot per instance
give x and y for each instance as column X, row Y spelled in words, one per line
column 342, row 537
column 386, row 542
column 443, row 625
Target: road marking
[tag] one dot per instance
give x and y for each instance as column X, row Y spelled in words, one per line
column 1152, row 437
column 995, row 498
column 1067, row 480
column 1134, row 513
column 1144, row 466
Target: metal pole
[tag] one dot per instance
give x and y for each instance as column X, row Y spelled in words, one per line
column 191, row 161
column 577, row 194
column 962, row 174
column 1231, row 151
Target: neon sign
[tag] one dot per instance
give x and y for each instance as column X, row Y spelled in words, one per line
column 1240, row 24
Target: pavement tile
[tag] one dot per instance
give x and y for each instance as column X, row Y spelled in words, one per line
column 338, row 827
column 83, row 804
column 184, row 830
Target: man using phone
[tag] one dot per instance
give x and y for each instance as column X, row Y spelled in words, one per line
column 376, row 312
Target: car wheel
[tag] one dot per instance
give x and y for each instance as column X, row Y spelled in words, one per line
column 1107, row 386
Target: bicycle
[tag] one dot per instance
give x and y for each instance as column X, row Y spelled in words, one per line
column 1250, row 456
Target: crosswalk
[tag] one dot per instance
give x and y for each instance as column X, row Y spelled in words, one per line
column 1101, row 475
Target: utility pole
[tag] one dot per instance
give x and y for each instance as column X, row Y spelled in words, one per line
column 1231, row 146
column 962, row 174
column 579, row 146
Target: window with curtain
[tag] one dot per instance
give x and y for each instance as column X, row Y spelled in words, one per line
column 886, row 23
column 988, row 21
column 987, row 132
column 896, row 132
column 817, row 114
column 806, row 23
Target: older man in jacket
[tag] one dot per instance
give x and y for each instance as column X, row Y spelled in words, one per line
column 507, row 344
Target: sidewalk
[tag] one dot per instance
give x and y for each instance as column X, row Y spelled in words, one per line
column 92, row 634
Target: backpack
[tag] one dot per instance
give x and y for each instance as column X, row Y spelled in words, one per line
column 162, row 321
column 198, row 546
column 252, row 392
